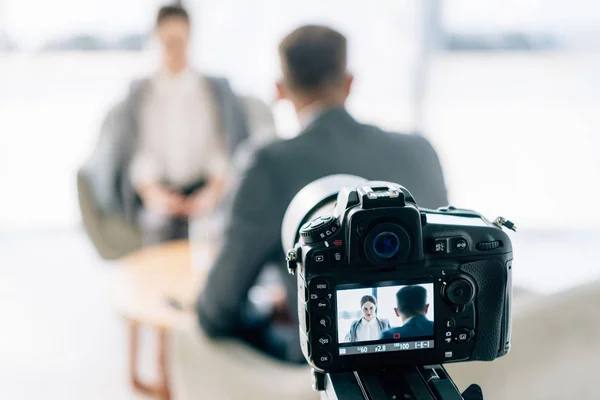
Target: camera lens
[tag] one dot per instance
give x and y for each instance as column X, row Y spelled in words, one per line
column 386, row 245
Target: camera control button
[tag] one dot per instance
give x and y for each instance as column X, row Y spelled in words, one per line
column 319, row 257
column 323, row 322
column 463, row 335
column 440, row 246
column 320, row 304
column 324, row 340
column 319, row 229
column 317, row 222
column 459, row 292
column 323, row 358
column 320, row 286
column 337, row 255
column 459, row 244
column 449, row 323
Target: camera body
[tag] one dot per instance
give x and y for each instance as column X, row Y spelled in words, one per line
column 382, row 282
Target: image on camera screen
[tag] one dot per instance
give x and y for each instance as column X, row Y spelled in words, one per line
column 398, row 314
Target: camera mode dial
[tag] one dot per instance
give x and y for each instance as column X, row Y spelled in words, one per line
column 318, row 229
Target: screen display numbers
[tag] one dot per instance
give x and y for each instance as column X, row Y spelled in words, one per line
column 388, row 347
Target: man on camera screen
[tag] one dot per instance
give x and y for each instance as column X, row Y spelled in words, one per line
column 412, row 308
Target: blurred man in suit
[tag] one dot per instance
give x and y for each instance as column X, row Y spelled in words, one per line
column 411, row 308
column 316, row 81
column 555, row 339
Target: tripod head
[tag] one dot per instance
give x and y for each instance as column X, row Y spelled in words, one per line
column 413, row 383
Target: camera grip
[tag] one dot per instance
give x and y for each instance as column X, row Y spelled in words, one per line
column 490, row 277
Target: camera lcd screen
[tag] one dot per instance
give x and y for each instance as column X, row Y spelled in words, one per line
column 383, row 318
column 448, row 219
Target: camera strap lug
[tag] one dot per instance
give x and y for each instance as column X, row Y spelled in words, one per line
column 291, row 259
column 503, row 222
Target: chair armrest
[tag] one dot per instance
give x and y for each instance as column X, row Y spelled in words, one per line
column 260, row 118
column 111, row 234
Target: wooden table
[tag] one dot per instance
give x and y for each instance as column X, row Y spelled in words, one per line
column 143, row 285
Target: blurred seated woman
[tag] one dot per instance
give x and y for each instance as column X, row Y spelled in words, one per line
column 187, row 130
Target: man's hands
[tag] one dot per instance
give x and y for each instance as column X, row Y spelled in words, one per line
column 165, row 200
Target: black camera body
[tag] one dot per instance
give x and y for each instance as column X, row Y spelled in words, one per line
column 437, row 284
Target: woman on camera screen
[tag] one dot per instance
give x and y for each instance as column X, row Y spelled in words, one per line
column 369, row 327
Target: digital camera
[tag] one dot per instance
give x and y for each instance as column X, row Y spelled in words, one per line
column 382, row 282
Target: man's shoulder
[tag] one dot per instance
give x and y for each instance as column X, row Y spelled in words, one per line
column 406, row 140
column 276, row 149
column 422, row 319
column 390, row 332
column 402, row 138
column 257, row 148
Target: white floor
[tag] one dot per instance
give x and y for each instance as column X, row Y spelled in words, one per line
column 59, row 338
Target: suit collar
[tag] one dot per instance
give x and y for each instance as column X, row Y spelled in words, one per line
column 415, row 319
column 330, row 116
column 310, row 113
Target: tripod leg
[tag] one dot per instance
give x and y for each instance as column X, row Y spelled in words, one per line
column 473, row 392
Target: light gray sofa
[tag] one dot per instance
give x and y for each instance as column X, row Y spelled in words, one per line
column 555, row 347
column 227, row 369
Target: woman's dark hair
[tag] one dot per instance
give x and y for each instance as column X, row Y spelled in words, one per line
column 171, row 11
column 366, row 298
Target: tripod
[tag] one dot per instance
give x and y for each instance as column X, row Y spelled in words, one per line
column 413, row 383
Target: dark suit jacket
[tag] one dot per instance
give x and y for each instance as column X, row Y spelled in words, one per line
column 334, row 143
column 417, row 326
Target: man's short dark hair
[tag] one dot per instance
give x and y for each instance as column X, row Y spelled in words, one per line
column 366, row 298
column 172, row 11
column 411, row 300
column 313, row 57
